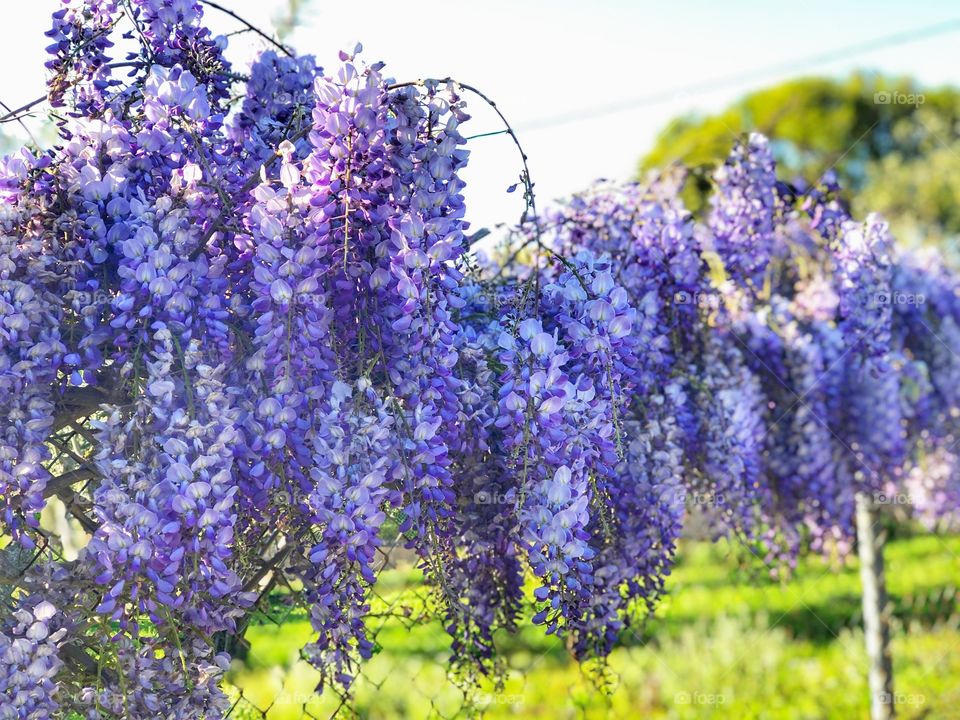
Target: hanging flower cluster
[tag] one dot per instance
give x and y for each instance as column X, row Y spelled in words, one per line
column 801, row 344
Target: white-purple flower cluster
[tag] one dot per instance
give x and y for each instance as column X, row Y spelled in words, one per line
column 862, row 276
column 29, row 661
column 353, row 467
column 744, row 213
column 806, row 376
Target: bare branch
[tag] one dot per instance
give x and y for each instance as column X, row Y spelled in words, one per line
column 60, row 484
column 78, row 656
column 17, row 115
column 79, row 401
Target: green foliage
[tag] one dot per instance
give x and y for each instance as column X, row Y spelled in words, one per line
column 898, row 157
column 289, row 17
column 727, row 643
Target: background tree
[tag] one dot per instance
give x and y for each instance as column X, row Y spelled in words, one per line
column 894, row 155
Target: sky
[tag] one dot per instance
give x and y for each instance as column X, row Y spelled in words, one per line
column 560, row 59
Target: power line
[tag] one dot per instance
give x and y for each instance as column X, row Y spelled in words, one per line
column 722, row 81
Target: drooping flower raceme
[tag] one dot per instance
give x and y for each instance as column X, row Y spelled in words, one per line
column 744, row 211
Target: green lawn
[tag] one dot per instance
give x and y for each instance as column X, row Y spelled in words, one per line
column 727, row 642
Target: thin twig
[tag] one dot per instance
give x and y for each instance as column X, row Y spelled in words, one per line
column 61, row 483
column 253, row 28
column 15, row 115
column 22, row 123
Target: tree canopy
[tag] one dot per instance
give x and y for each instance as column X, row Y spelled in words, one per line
column 891, row 142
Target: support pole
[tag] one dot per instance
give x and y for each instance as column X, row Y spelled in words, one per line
column 876, row 620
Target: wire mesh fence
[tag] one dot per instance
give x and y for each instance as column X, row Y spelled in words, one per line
column 398, row 605
column 409, row 675
column 277, row 682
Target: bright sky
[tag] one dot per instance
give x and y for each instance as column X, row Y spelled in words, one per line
column 546, row 58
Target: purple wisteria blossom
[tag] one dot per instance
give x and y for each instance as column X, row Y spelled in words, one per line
column 246, row 345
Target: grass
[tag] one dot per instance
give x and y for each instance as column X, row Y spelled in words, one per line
column 726, row 642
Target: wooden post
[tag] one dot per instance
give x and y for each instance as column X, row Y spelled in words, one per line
column 876, row 621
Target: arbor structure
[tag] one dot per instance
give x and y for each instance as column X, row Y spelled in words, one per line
column 246, row 342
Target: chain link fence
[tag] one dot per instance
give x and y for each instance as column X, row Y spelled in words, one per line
column 270, row 680
column 409, row 675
